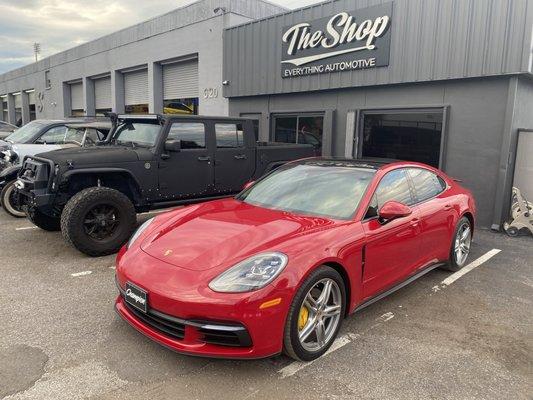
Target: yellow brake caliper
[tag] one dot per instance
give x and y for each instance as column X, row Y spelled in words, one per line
column 303, row 317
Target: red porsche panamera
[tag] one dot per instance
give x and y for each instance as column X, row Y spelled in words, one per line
column 279, row 266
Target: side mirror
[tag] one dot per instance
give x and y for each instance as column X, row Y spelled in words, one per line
column 173, row 145
column 392, row 210
column 247, row 185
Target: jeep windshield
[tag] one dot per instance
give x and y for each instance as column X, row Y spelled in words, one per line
column 136, row 133
column 25, row 133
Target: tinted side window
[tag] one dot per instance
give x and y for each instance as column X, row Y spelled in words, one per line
column 394, row 186
column 191, row 134
column 229, row 135
column 53, row 135
column 426, row 183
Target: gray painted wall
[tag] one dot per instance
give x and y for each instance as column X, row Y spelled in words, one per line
column 431, row 40
column 194, row 29
column 474, row 130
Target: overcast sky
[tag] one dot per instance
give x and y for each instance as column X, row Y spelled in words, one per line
column 61, row 24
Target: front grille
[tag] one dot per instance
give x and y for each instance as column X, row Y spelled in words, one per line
column 209, row 332
column 164, row 326
column 225, row 338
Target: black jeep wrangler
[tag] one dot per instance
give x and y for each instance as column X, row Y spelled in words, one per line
column 147, row 162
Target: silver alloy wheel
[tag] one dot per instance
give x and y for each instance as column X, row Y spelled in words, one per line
column 324, row 304
column 8, row 204
column 463, row 239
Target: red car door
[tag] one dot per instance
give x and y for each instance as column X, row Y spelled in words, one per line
column 392, row 248
column 435, row 213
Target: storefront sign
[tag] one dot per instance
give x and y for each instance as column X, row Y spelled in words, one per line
column 342, row 42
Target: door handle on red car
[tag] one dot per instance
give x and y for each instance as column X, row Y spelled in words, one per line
column 240, row 157
column 204, row 158
column 447, row 206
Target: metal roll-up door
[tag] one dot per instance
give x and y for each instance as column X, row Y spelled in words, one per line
column 180, row 80
column 76, row 96
column 102, row 93
column 136, row 87
column 31, row 97
column 18, row 100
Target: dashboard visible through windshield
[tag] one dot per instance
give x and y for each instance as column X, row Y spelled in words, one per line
column 133, row 133
column 312, row 189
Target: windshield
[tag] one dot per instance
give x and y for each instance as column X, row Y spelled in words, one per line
column 312, row 189
column 26, row 133
column 142, row 134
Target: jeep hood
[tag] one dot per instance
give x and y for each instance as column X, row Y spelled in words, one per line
column 97, row 155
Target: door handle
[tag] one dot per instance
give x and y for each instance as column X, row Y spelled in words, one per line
column 240, row 157
column 447, row 206
column 204, row 158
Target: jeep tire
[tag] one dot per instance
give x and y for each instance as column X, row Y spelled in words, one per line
column 43, row 221
column 98, row 221
column 7, row 201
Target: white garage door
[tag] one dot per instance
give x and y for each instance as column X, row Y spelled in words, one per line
column 76, row 96
column 102, row 93
column 180, row 80
column 31, row 97
column 136, row 87
column 523, row 173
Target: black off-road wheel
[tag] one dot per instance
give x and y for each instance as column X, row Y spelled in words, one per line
column 43, row 221
column 98, row 221
column 8, row 201
column 460, row 248
column 315, row 315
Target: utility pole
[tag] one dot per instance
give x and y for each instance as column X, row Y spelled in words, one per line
column 36, row 50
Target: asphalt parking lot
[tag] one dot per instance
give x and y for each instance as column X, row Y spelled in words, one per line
column 467, row 339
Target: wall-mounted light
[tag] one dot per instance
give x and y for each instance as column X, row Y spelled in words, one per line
column 225, row 83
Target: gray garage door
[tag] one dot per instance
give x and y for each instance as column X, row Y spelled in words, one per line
column 136, row 87
column 76, row 96
column 31, row 97
column 180, row 80
column 102, row 93
column 18, row 100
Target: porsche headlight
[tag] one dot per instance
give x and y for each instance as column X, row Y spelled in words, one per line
column 138, row 232
column 251, row 274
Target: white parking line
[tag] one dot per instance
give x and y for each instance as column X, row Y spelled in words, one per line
column 474, row 264
column 25, row 227
column 296, row 366
column 82, row 273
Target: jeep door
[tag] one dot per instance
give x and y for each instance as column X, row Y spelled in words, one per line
column 234, row 156
column 188, row 172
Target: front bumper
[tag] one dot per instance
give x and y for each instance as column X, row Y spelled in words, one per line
column 200, row 322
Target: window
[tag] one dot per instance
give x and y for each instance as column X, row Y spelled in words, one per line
column 47, row 81
column 303, row 128
column 394, row 186
column 229, row 135
column 136, row 133
column 191, row 134
column 181, row 106
column 426, row 183
column 53, row 135
column 411, row 136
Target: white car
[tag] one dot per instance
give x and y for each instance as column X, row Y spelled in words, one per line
column 75, row 134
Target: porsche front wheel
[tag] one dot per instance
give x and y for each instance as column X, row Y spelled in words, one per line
column 315, row 316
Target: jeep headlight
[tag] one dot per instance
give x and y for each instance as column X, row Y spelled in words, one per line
column 251, row 274
column 138, row 232
column 9, row 156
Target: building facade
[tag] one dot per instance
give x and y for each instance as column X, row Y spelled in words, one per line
column 171, row 63
column 444, row 82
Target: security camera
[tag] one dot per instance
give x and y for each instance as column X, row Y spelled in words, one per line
column 220, row 9
column 225, row 83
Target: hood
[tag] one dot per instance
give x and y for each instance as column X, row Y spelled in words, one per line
column 24, row 150
column 224, row 232
column 97, row 155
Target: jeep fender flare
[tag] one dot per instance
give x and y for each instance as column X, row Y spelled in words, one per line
column 10, row 173
column 68, row 175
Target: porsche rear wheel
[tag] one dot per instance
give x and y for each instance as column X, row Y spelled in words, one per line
column 460, row 249
column 315, row 316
